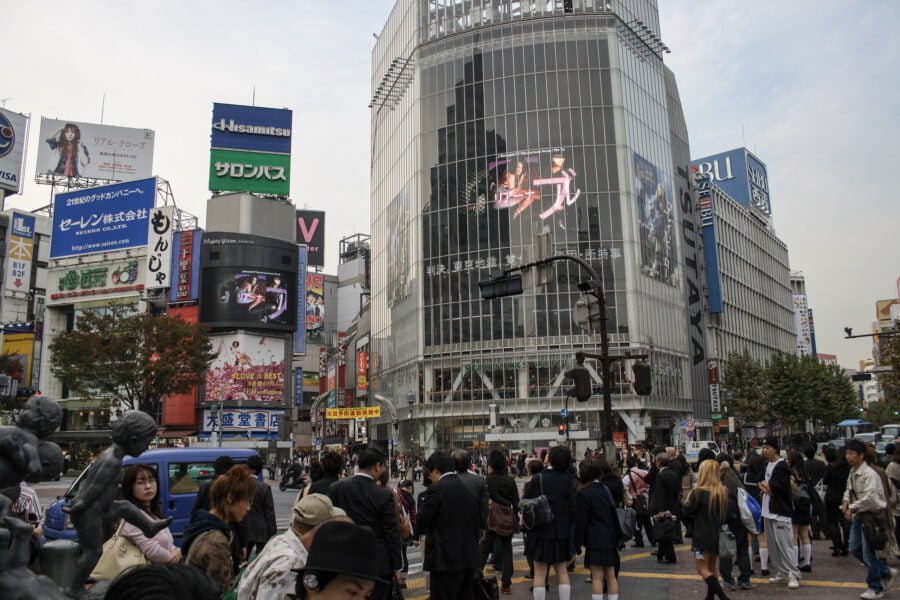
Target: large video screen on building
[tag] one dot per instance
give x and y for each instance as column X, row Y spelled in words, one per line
column 250, row 297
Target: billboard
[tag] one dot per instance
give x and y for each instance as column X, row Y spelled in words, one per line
column 653, row 191
column 741, row 175
column 311, row 231
column 362, row 372
column 158, row 272
column 714, row 302
column 19, row 253
column 533, row 182
column 300, row 334
column 13, row 136
column 254, row 128
column 315, row 308
column 248, row 297
column 257, row 172
column 95, row 281
column 101, row 219
column 185, row 266
column 249, row 367
column 87, row 150
column 399, row 276
column 801, row 325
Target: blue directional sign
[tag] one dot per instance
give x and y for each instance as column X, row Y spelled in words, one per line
column 564, row 413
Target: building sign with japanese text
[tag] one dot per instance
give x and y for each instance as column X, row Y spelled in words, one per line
column 235, row 420
column 360, row 412
column 88, row 282
column 19, row 253
column 300, row 334
column 257, row 172
column 102, row 219
column 248, row 367
column 362, row 371
column 185, row 267
column 159, row 247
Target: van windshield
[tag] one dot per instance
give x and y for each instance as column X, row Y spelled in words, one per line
column 73, row 489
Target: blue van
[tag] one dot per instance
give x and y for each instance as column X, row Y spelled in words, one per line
column 181, row 472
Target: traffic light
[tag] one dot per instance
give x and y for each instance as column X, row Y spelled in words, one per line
column 500, row 285
column 643, row 381
column 861, row 377
column 561, row 429
column 582, row 390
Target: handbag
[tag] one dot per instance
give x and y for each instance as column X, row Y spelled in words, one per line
column 664, row 530
column 536, row 512
column 486, row 588
column 396, row 592
column 119, row 555
column 727, row 543
column 874, row 528
column 627, row 519
column 502, row 519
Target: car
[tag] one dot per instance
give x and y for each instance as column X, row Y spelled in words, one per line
column 181, row 471
column 868, row 437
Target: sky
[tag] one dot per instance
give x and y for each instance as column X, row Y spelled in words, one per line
column 810, row 87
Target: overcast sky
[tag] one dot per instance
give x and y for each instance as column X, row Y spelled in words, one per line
column 810, row 87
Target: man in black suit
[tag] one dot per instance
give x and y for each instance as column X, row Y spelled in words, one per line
column 475, row 483
column 373, row 506
column 664, row 505
column 259, row 524
column 448, row 515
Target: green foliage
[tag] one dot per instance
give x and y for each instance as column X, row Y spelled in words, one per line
column 790, row 383
column 745, row 379
column 889, row 351
column 132, row 358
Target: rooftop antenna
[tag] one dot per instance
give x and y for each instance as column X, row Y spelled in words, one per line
column 743, row 137
column 253, row 102
column 3, row 101
column 102, row 107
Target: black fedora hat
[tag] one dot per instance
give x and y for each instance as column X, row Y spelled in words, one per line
column 344, row 548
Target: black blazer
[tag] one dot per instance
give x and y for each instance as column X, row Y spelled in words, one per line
column 559, row 489
column 665, row 490
column 477, row 486
column 372, row 506
column 259, row 524
column 503, row 489
column 707, row 522
column 448, row 516
column 596, row 523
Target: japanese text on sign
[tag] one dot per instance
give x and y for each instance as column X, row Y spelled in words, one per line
column 361, row 412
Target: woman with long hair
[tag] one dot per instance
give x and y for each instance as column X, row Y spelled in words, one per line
column 597, row 529
column 707, row 506
column 802, row 517
column 72, row 153
column 207, row 538
column 140, row 486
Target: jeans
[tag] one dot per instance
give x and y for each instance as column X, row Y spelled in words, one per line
column 487, row 544
column 743, row 558
column 859, row 547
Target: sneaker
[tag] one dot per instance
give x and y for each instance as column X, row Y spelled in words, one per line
column 729, row 587
column 793, row 583
column 871, row 594
column 778, row 579
column 764, row 572
column 746, row 586
column 888, row 582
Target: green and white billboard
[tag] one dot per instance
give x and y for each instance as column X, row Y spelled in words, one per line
column 258, row 172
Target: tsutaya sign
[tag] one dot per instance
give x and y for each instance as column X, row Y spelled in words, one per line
column 739, row 174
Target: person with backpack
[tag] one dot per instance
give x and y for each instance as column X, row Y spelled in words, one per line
column 639, row 493
column 802, row 517
column 732, row 483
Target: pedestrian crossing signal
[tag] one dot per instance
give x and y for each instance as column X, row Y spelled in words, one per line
column 561, row 428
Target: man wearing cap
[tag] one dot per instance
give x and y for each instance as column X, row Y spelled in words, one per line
column 866, row 494
column 340, row 564
column 777, row 508
column 271, row 576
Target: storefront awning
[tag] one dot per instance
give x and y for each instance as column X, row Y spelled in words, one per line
column 177, row 433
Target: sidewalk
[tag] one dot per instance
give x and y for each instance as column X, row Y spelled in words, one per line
column 642, row 578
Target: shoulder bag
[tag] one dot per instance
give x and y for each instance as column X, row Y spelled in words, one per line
column 626, row 516
column 727, row 543
column 119, row 555
column 536, row 512
column 874, row 525
column 502, row 519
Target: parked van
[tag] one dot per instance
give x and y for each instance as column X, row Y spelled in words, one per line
column 181, row 471
column 692, row 449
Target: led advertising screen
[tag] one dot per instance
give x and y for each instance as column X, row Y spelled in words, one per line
column 653, row 191
column 300, row 335
column 311, row 231
column 249, row 367
column 538, row 182
column 75, row 149
column 101, row 219
column 315, row 308
column 13, row 135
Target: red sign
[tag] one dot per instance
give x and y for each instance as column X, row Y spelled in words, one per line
column 712, row 367
column 362, row 371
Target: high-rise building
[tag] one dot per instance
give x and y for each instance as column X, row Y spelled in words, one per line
column 501, row 130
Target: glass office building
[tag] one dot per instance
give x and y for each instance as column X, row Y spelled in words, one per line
column 504, row 131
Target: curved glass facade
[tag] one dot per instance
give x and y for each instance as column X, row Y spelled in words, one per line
column 529, row 137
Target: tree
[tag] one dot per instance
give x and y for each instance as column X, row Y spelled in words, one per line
column 836, row 395
column 135, row 359
column 791, row 384
column 889, row 356
column 745, row 380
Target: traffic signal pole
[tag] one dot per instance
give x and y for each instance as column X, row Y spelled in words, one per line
column 500, row 284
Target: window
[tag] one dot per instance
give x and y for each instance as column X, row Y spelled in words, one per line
column 185, row 478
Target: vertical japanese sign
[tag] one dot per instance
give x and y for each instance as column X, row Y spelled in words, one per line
column 300, row 334
column 19, row 252
column 298, row 387
column 185, row 266
column 159, row 248
column 362, row 371
column 715, row 402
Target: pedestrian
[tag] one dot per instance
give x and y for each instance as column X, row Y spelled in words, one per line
column 140, row 486
column 156, row 580
column 259, row 525
column 372, row 506
column 533, row 466
column 732, row 483
column 665, row 508
column 208, row 537
column 501, row 490
column 331, row 465
column 893, row 473
column 707, row 507
column 815, row 470
column 777, row 511
column 597, row 530
column 801, row 519
column 404, row 493
column 448, row 515
column 271, row 575
column 551, row 543
column 866, row 498
column 341, row 564
column 475, row 483
column 639, row 493
column 221, row 465
column 754, row 473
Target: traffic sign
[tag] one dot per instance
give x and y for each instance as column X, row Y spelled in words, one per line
column 690, row 433
column 689, row 423
column 564, row 413
column 682, row 424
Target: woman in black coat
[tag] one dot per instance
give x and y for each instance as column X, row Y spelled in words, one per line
column 550, row 544
column 501, row 489
column 802, row 517
column 837, row 471
column 597, row 528
column 707, row 507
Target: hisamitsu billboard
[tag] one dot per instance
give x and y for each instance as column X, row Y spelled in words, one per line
column 101, row 219
column 252, row 128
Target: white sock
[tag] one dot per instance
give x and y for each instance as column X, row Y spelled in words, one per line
column 598, row 596
column 764, row 559
column 539, row 593
column 807, row 554
column 613, row 597
column 796, row 555
column 565, row 591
